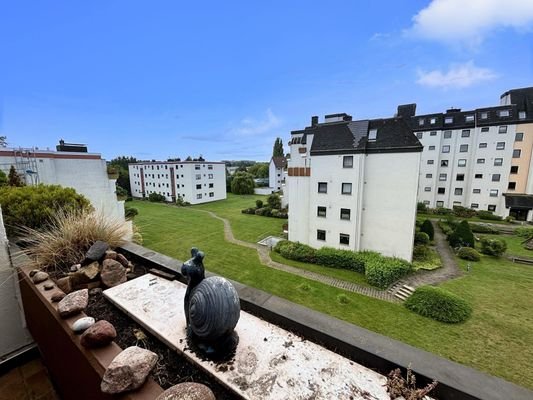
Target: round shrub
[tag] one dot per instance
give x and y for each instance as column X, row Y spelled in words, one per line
column 493, row 247
column 438, row 304
column 259, row 203
column 130, row 212
column 427, row 227
column 35, row 206
column 468, row 253
column 421, row 238
column 343, row 299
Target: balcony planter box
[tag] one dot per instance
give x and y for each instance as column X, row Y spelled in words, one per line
column 75, row 371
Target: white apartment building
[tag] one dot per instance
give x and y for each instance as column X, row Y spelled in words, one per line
column 353, row 184
column 70, row 166
column 194, row 181
column 480, row 159
column 277, row 170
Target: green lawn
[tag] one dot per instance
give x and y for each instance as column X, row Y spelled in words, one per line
column 496, row 339
column 250, row 228
column 514, row 245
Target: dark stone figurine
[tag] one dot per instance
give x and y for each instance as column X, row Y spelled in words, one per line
column 212, row 307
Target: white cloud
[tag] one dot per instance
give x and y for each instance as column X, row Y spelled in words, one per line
column 458, row 76
column 469, row 21
column 254, row 127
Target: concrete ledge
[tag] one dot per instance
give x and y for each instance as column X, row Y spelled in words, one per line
column 368, row 348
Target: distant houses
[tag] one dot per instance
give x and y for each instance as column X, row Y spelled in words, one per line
column 277, row 171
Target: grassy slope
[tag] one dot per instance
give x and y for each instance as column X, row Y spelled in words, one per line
column 496, row 339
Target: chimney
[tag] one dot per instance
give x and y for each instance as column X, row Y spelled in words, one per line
column 406, row 110
column 314, row 120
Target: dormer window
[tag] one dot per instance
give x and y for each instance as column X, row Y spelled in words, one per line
column 469, row 118
column 484, row 115
column 372, row 135
column 504, row 113
column 433, row 121
column 421, row 121
column 448, row 120
column 521, row 115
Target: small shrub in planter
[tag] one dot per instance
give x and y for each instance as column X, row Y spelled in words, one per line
column 382, row 271
column 480, row 228
column 427, row 227
column 156, row 197
column 259, row 203
column 421, row 238
column 493, row 247
column 438, row 304
column 488, row 215
column 421, row 253
column 462, row 236
column 344, row 259
column 468, row 253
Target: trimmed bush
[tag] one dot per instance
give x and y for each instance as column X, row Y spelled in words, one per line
column 383, row 271
column 480, row 228
column 438, row 304
column 421, row 253
column 445, row 228
column 462, row 236
column 344, row 259
column 427, row 227
column 130, row 212
column 524, row 232
column 248, row 211
column 421, row 207
column 259, row 203
column 421, row 238
column 493, row 247
column 296, row 251
column 35, row 206
column 156, row 197
column 443, row 211
column 274, row 201
column 488, row 215
column 468, row 253
column 463, row 212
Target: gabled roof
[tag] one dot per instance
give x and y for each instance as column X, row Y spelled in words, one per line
column 280, row 162
column 393, row 135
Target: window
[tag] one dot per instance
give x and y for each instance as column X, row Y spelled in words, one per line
column 517, row 153
column 521, row 115
column 421, row 121
column 430, row 162
column 519, row 137
column 209, row 167
column 211, row 185
column 441, row 190
column 498, row 162
column 469, row 118
column 448, row 120
column 345, row 213
column 346, row 188
column 199, row 196
column 458, row 191
column 493, row 193
column 514, row 169
column 511, row 186
column 210, row 176
column 485, row 129
column 465, row 133
column 320, row 235
column 433, row 121
column 484, row 115
column 431, row 148
column 440, row 203
column 372, row 135
column 197, row 167
column 461, row 162
column 419, row 135
column 504, row 113
column 463, row 148
column 502, row 129
column 443, row 177
column 474, row 205
column 443, row 163
column 320, row 211
column 447, row 134
column 500, row 146
column 344, row 238
column 478, row 176
column 445, row 149
column 347, row 162
column 433, row 133
column 495, row 177
column 456, row 203
column 480, row 161
column 198, row 176
column 322, row 187
column 460, row 177
column 211, row 194
column 429, row 175
column 426, row 202
column 198, row 186
column 476, row 191
column 427, row 189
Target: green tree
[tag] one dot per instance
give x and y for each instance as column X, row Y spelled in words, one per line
column 121, row 164
column 259, row 170
column 3, row 141
column 14, row 179
column 3, row 178
column 242, row 183
column 278, row 148
column 427, row 227
column 462, row 236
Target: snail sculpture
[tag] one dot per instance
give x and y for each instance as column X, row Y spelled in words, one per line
column 212, row 307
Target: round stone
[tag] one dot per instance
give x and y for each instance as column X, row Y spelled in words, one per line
column 100, row 334
column 39, row 277
column 48, row 286
column 82, row 324
column 33, row 272
column 187, row 391
column 58, row 295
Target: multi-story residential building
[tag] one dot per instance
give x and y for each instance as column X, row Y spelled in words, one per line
column 478, row 158
column 194, row 181
column 353, row 184
column 70, row 166
column 276, row 172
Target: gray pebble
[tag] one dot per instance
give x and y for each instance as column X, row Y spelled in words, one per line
column 82, row 324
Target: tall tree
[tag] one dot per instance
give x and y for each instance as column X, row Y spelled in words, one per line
column 278, row 148
column 3, row 141
column 242, row 183
column 14, row 179
column 121, row 164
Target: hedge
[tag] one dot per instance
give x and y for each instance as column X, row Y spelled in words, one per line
column 344, row 259
column 524, row 232
column 296, row 251
column 488, row 215
column 438, row 304
column 480, row 228
column 383, row 271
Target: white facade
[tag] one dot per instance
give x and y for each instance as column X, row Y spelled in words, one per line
column 378, row 211
column 84, row 172
column 194, row 181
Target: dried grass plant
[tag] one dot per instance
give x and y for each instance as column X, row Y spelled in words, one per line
column 68, row 237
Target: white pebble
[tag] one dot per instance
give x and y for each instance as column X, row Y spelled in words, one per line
column 82, row 324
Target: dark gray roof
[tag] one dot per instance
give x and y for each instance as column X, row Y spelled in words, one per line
column 394, row 135
column 280, row 162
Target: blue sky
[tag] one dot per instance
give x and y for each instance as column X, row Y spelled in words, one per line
column 166, row 79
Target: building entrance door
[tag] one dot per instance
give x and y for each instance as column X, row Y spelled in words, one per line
column 519, row 214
